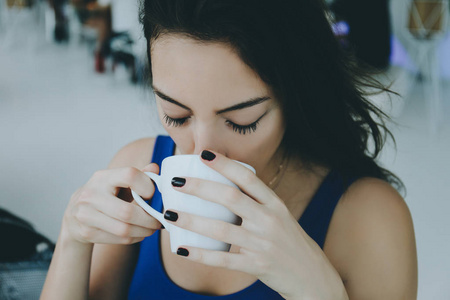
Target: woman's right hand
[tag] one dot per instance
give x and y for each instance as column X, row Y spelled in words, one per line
column 96, row 214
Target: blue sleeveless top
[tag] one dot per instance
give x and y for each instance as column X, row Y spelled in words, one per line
column 150, row 280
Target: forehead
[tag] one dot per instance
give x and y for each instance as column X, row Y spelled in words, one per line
column 187, row 68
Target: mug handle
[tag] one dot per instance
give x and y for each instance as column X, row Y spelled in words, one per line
column 150, row 210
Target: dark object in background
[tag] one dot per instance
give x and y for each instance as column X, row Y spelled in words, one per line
column 61, row 34
column 370, row 31
column 25, row 257
column 61, row 31
column 119, row 46
column 128, row 60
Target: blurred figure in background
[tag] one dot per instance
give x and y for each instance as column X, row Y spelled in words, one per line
column 125, row 45
column 61, row 33
column 118, row 29
column 97, row 15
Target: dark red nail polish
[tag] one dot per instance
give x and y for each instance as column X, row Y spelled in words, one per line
column 206, row 155
column 171, row 216
column 178, row 181
column 182, row 252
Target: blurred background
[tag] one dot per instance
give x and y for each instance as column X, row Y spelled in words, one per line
column 73, row 91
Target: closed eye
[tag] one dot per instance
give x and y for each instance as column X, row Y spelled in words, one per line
column 175, row 122
column 244, row 129
column 241, row 129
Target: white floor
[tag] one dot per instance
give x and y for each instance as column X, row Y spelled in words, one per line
column 60, row 121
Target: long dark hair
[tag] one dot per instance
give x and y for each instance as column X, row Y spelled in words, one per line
column 290, row 44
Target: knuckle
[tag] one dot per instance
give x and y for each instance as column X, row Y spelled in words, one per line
column 151, row 223
column 85, row 195
column 130, row 174
column 126, row 213
column 123, row 230
column 98, row 175
column 127, row 240
column 80, row 213
column 87, row 233
column 248, row 177
column 232, row 196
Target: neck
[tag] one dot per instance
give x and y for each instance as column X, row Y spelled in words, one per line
column 299, row 185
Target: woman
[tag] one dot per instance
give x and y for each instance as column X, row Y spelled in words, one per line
column 267, row 84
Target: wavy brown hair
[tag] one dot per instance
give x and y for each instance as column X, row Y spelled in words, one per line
column 290, row 44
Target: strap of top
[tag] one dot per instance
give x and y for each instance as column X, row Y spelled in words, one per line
column 317, row 215
column 164, row 147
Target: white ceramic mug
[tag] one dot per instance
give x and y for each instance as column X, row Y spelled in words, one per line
column 188, row 166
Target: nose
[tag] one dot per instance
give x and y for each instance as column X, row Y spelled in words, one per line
column 207, row 137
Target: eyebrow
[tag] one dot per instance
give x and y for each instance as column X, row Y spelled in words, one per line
column 245, row 104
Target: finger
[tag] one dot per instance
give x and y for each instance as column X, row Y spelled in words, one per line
column 220, row 259
column 154, row 168
column 91, row 217
column 230, row 197
column 125, row 178
column 126, row 212
column 95, row 235
column 215, row 229
column 243, row 177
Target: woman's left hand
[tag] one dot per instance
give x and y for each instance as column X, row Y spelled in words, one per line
column 273, row 246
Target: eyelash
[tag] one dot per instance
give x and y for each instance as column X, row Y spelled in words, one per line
column 174, row 122
column 241, row 129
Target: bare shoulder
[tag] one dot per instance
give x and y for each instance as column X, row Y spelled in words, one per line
column 371, row 242
column 136, row 154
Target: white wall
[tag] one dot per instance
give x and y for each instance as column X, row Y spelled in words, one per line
column 60, row 122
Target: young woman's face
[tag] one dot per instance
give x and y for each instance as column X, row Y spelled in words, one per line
column 208, row 98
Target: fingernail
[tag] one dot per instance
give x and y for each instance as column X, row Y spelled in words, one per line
column 170, row 215
column 178, row 181
column 182, row 252
column 206, row 155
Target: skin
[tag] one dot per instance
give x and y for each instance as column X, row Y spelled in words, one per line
column 217, row 80
column 369, row 252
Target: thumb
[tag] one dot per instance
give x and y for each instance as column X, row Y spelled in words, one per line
column 154, row 168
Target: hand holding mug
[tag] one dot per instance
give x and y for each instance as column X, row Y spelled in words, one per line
column 96, row 215
column 271, row 244
column 173, row 170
